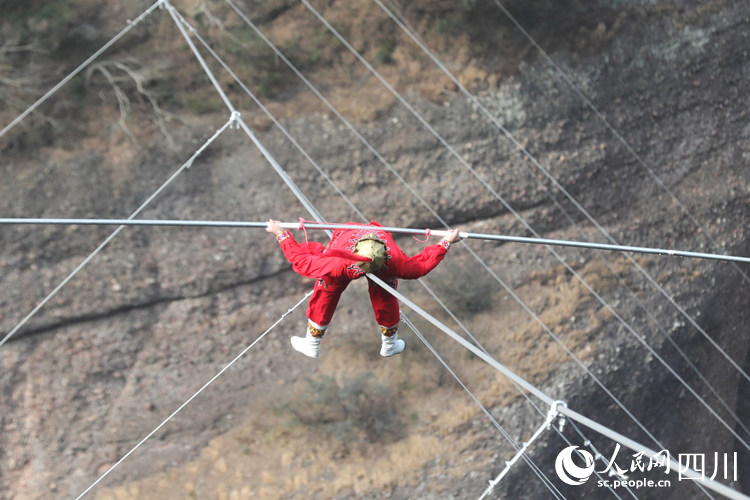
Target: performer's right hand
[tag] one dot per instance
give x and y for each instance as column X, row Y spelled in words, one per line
column 453, row 236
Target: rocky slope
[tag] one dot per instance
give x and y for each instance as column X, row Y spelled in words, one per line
column 160, row 311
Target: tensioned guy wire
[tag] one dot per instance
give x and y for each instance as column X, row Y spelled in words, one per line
column 173, row 13
column 120, row 227
column 521, row 452
column 191, row 398
column 584, row 98
column 555, row 492
column 519, row 389
column 130, row 26
column 265, row 110
column 238, row 118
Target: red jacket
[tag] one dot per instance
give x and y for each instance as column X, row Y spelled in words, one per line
column 310, row 259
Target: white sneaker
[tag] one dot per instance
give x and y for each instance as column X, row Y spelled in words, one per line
column 391, row 345
column 307, row 345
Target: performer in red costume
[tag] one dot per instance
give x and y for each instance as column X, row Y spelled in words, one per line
column 351, row 254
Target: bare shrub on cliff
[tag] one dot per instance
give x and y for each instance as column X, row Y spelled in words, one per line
column 355, row 409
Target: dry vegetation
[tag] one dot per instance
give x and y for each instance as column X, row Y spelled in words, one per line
column 164, row 86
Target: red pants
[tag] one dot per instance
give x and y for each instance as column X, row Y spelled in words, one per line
column 325, row 298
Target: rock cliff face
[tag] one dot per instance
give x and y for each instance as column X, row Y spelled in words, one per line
column 652, row 143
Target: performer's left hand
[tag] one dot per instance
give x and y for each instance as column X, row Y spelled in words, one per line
column 273, row 227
